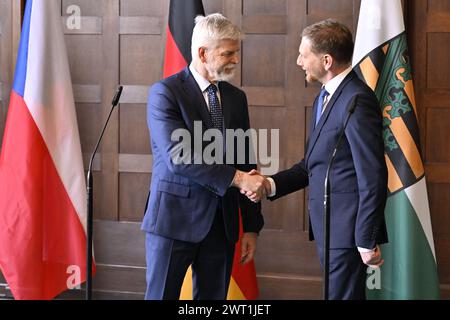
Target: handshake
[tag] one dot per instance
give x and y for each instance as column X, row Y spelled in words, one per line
column 252, row 184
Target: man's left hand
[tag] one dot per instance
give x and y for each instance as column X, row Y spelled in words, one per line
column 248, row 246
column 373, row 258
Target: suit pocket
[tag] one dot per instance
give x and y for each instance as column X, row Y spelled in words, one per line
column 175, row 209
column 175, row 189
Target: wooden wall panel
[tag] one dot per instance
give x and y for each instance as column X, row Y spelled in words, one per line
column 122, row 42
column 264, row 7
column 141, row 64
column 439, row 5
column 5, row 60
column 133, row 193
column 93, row 80
column 131, row 8
column 89, row 125
column 286, row 287
column 263, row 61
column 268, row 64
column 85, row 71
column 5, row 84
column 134, row 134
column 212, row 6
column 264, row 24
column 114, row 245
column 438, row 46
column 438, row 149
column 439, row 206
column 88, row 8
column 336, row 7
column 429, row 34
column 282, row 255
column 140, row 59
column 120, row 257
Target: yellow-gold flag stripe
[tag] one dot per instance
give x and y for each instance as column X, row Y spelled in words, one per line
column 369, row 72
column 394, row 182
column 234, row 292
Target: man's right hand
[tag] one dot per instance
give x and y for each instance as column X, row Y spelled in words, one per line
column 251, row 184
column 263, row 189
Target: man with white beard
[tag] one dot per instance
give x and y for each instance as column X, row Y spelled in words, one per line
column 192, row 215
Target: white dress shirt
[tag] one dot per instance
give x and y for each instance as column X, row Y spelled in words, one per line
column 332, row 85
column 203, row 84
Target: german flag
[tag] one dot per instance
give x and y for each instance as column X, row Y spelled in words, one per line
column 182, row 15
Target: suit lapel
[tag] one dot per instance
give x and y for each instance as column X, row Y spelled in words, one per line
column 195, row 97
column 312, row 122
column 323, row 119
column 226, row 105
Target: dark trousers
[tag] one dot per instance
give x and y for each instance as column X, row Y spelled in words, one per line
column 348, row 275
column 169, row 259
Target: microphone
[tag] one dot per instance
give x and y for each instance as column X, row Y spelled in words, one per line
column 326, row 203
column 116, row 98
column 114, row 103
column 90, row 202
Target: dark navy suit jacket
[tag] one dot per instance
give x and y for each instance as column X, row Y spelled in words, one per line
column 359, row 174
column 184, row 198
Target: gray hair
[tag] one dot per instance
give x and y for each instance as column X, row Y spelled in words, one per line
column 211, row 29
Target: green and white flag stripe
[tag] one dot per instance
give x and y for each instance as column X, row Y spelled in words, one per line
column 379, row 24
column 381, row 60
column 409, row 271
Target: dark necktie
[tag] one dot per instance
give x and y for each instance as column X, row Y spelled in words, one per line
column 214, row 107
column 323, row 93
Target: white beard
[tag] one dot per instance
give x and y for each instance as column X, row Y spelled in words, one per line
column 221, row 75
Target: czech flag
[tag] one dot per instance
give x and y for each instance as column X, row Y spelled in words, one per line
column 42, row 189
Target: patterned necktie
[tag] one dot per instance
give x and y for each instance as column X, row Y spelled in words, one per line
column 323, row 93
column 214, row 106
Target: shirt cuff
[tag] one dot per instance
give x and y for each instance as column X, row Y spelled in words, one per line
column 232, row 180
column 364, row 250
column 273, row 187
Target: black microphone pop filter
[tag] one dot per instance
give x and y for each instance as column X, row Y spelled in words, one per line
column 116, row 98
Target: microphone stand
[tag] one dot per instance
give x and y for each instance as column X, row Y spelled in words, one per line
column 90, row 201
column 327, row 206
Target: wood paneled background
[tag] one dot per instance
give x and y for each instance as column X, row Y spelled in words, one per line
column 429, row 37
column 122, row 42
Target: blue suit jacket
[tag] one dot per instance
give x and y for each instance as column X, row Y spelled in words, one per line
column 358, row 177
column 184, row 198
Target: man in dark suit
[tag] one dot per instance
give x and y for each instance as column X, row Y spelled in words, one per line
column 358, row 176
column 192, row 217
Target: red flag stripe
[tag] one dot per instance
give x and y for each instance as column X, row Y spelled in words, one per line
column 43, row 235
column 244, row 275
column 173, row 58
